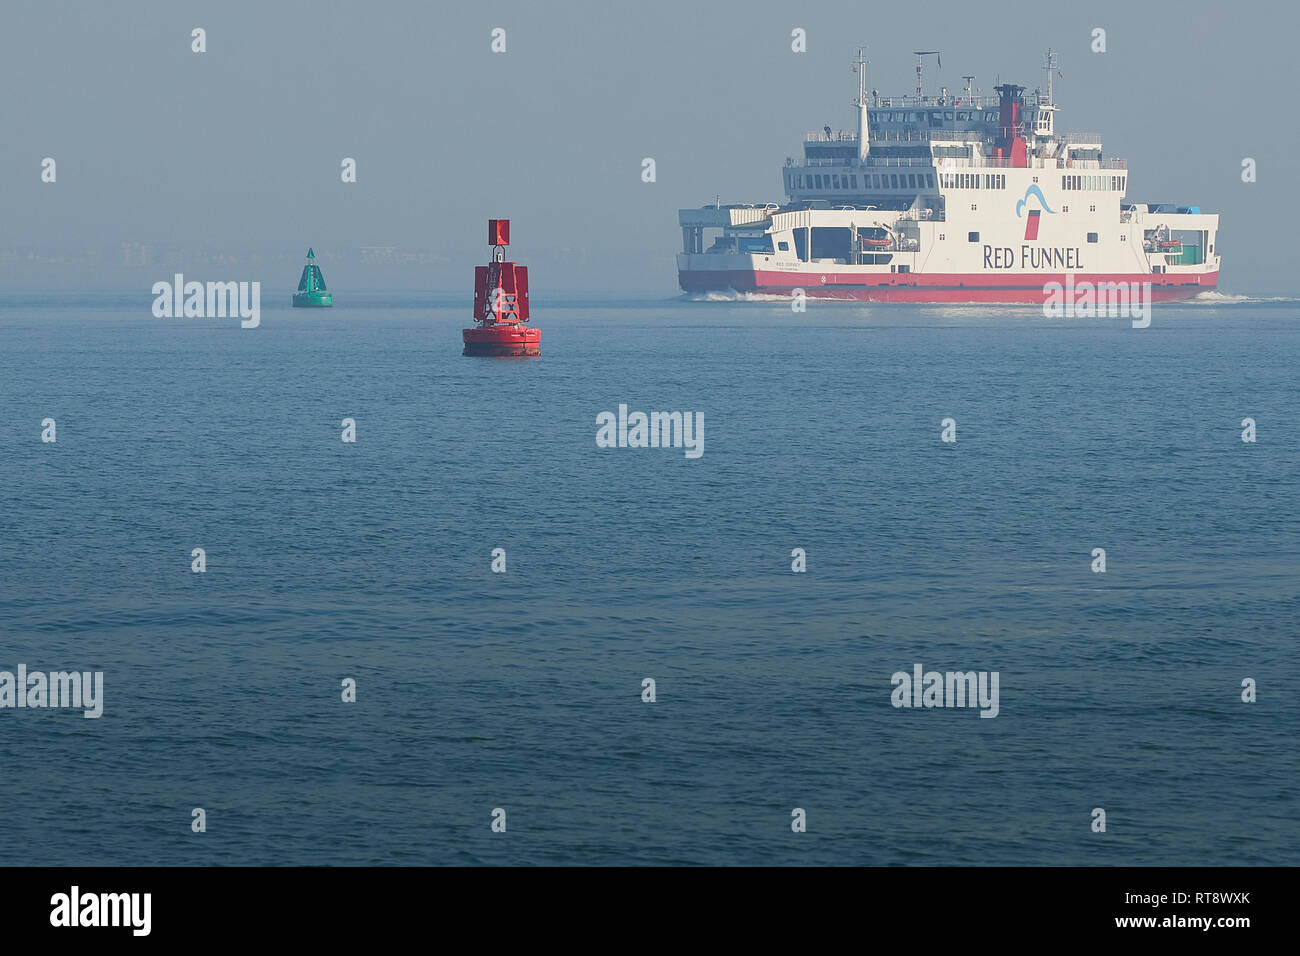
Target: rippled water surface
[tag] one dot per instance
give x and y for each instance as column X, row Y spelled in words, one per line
column 521, row 690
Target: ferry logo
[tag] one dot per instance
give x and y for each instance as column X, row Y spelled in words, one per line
column 1031, row 222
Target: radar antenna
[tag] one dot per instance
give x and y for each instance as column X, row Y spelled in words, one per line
column 920, row 59
column 1049, row 64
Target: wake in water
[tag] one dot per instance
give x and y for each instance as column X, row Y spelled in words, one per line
column 734, row 296
column 1228, row 298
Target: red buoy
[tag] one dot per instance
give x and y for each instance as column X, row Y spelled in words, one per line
column 501, row 303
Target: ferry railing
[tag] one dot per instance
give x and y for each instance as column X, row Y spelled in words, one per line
column 957, row 162
column 1055, row 162
column 949, row 102
column 953, row 162
column 901, row 136
column 854, row 164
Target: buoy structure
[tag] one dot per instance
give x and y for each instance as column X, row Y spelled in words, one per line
column 501, row 303
column 311, row 292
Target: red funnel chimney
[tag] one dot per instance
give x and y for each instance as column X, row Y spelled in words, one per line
column 1010, row 145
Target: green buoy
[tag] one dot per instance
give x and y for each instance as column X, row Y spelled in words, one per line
column 311, row 292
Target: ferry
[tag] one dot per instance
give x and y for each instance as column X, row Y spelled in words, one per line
column 955, row 197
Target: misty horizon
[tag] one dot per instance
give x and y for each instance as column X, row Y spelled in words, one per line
column 203, row 160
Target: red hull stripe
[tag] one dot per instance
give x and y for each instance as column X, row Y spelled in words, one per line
column 947, row 287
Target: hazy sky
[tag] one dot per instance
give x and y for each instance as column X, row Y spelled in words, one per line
column 239, row 148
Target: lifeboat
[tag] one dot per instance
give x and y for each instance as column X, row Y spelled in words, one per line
column 501, row 303
column 876, row 243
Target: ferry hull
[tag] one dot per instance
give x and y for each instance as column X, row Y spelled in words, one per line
column 937, row 288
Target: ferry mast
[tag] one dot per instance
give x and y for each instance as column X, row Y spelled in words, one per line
column 864, row 137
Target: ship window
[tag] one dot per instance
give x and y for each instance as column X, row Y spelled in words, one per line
column 1092, row 237
column 972, row 237
column 934, row 117
column 904, row 268
column 830, row 243
column 875, row 180
column 963, row 116
column 818, row 180
column 930, row 179
column 835, row 181
column 911, row 180
column 947, row 115
column 783, row 246
column 893, row 180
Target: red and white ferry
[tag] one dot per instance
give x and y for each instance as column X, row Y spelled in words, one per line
column 950, row 198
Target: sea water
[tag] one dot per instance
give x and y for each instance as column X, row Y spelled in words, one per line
column 522, row 690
